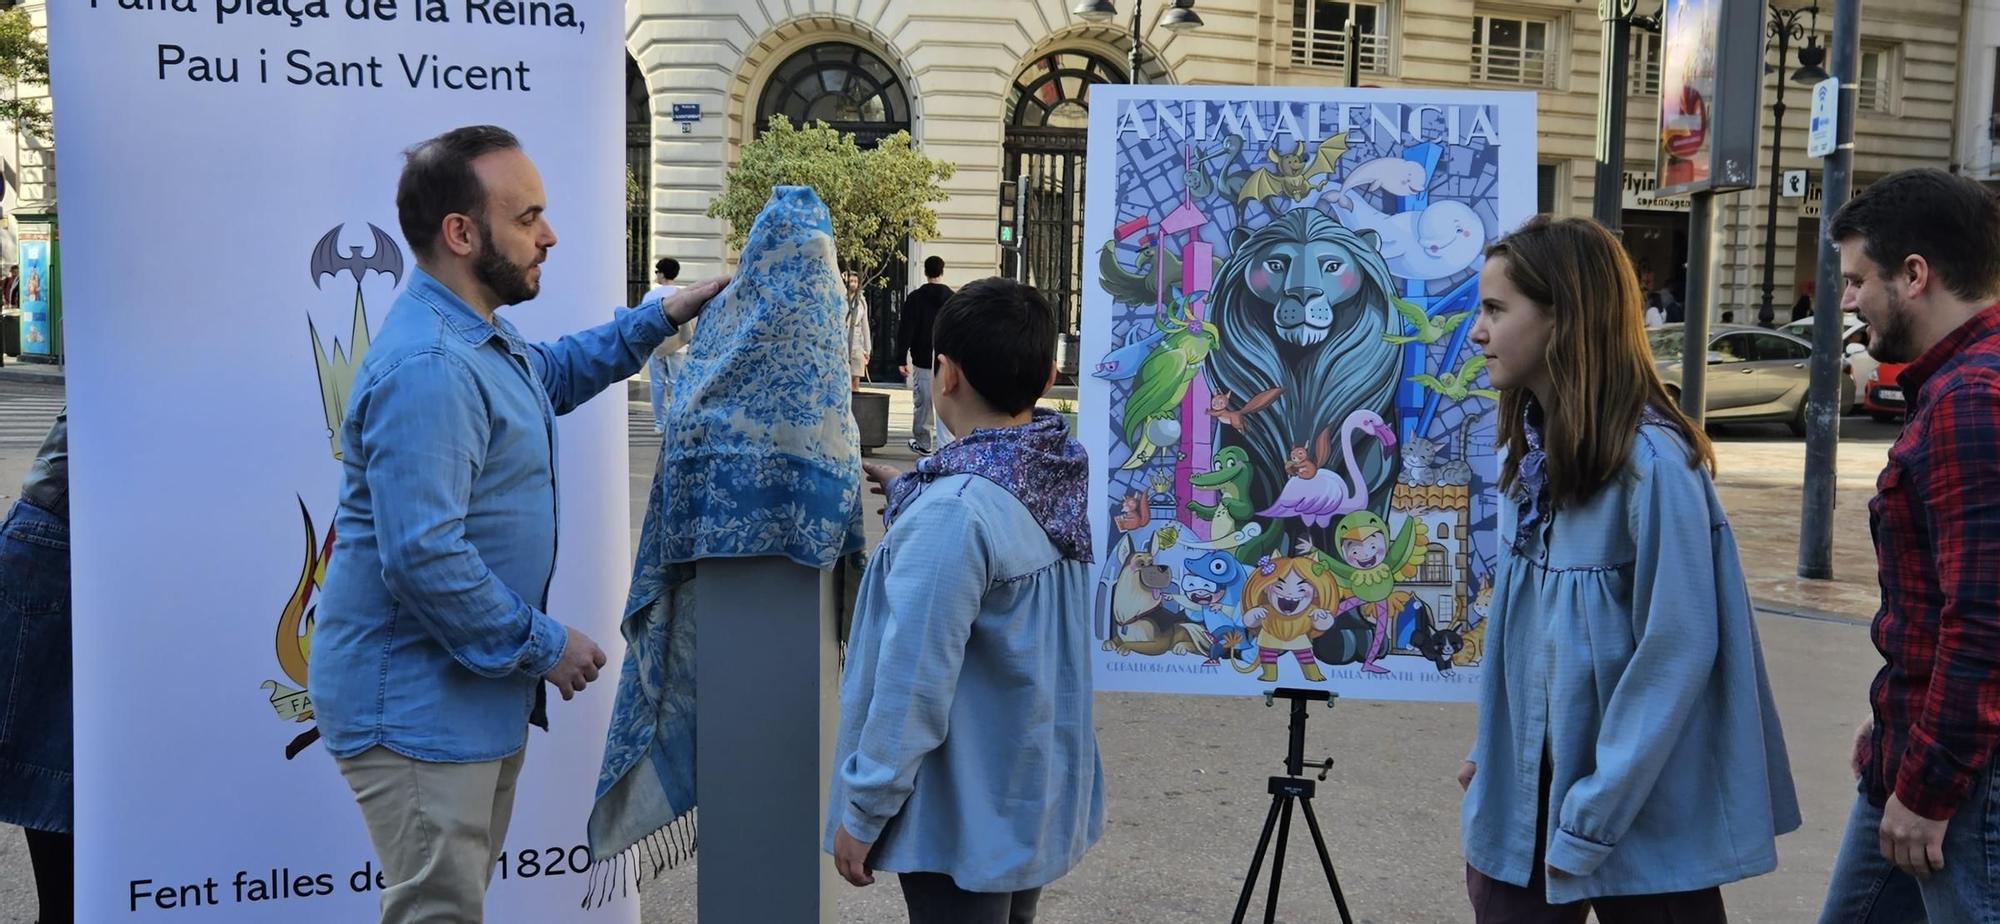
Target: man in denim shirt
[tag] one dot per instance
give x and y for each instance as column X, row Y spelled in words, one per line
column 432, row 641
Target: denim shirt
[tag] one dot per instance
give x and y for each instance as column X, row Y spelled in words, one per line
column 431, row 638
column 966, row 745
column 1623, row 648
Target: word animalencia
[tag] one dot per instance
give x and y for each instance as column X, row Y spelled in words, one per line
column 302, row 68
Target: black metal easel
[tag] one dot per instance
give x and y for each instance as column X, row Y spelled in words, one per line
column 1286, row 790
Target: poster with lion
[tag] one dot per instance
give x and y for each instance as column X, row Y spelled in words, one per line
column 1291, row 434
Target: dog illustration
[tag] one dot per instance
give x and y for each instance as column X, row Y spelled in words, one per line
column 1141, row 621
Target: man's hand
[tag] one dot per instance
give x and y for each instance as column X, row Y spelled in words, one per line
column 905, row 370
column 1911, row 841
column 1859, row 759
column 850, row 858
column 880, row 476
column 686, row 305
column 1465, row 773
column 578, row 666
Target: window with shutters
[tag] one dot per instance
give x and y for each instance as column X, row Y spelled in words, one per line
column 1507, row 49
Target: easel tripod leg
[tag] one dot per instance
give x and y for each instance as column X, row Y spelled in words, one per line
column 1257, row 861
column 1278, row 863
column 1326, row 861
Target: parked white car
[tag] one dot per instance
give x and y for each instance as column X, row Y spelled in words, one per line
column 1861, row 366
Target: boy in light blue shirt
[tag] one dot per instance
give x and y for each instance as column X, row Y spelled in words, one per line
column 967, row 761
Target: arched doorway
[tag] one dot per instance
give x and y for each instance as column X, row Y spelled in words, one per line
column 1048, row 122
column 851, row 89
column 638, row 183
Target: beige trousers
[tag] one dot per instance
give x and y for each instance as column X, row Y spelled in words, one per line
column 438, row 830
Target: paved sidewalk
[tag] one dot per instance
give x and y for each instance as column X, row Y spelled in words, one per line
column 31, row 373
column 1761, row 487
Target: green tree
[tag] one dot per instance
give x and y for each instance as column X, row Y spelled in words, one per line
column 876, row 197
column 24, row 59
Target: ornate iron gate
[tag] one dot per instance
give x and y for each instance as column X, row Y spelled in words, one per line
column 1051, row 245
column 1047, row 130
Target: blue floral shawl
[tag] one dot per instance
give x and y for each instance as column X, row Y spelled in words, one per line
column 760, row 458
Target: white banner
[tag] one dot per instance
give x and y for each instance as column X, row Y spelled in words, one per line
column 1291, row 439
column 228, row 173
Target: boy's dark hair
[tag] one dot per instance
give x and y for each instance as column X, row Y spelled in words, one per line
column 933, row 267
column 438, row 180
column 1950, row 221
column 1002, row 337
column 668, row 267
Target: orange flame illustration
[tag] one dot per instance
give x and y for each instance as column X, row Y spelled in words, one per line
column 295, row 624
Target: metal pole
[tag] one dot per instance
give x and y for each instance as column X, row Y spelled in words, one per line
column 1353, row 50
column 1021, row 228
column 1137, row 5
column 1766, row 313
column 1704, row 245
column 1822, row 420
column 1608, row 200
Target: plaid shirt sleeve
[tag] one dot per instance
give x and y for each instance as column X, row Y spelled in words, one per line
column 1959, row 724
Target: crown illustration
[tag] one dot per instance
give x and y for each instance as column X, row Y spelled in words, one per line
column 336, row 371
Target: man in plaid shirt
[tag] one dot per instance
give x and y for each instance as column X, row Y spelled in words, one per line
column 1920, row 256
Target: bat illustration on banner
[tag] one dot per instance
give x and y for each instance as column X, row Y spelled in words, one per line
column 327, row 261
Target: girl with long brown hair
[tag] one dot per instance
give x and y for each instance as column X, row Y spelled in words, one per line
column 1628, row 758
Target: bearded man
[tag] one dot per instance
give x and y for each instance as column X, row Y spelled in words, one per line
column 432, row 641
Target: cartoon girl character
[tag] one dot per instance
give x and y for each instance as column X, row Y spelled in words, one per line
column 1368, row 566
column 1287, row 600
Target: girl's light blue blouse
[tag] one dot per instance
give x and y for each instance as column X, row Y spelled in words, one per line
column 1624, row 651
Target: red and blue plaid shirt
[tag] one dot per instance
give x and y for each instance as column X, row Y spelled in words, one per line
column 1936, row 523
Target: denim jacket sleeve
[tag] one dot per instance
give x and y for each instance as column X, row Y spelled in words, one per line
column 576, row 367
column 1675, row 632
column 936, row 582
column 423, row 432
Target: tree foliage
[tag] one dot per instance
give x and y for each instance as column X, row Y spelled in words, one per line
column 877, row 197
column 24, row 59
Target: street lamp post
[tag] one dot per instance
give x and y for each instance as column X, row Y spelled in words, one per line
column 1784, row 27
column 1179, row 17
column 1618, row 18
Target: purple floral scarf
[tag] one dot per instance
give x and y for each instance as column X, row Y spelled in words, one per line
column 1531, row 479
column 1039, row 463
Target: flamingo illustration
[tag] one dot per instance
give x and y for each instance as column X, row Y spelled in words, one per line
column 1315, row 494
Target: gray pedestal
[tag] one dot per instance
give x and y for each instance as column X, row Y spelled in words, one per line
column 767, row 688
column 871, row 418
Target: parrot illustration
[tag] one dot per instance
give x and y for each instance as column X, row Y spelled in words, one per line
column 1152, row 412
column 1429, row 330
column 1458, row 385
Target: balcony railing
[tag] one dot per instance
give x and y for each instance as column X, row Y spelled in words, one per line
column 1328, row 48
column 1500, row 64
